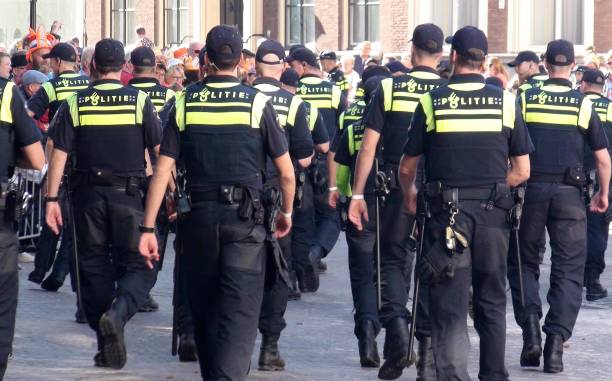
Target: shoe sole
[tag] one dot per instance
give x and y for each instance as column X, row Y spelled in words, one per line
column 114, row 347
column 312, row 274
column 531, row 358
column 392, row 370
column 553, row 370
column 148, row 309
column 594, row 297
column 271, row 368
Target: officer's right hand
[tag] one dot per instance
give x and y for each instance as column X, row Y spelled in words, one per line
column 332, row 198
column 148, row 248
column 53, row 217
column 283, row 225
column 599, row 204
column 358, row 210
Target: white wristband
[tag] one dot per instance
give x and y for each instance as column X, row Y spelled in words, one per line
column 332, row 189
column 286, row 215
column 357, row 197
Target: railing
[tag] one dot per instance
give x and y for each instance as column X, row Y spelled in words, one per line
column 28, row 183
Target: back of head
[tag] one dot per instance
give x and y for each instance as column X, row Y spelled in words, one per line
column 370, row 86
column 375, row 71
column 427, row 43
column 109, row 56
column 593, row 81
column 290, row 78
column 143, row 60
column 560, row 58
column 223, row 47
column 471, row 47
column 269, row 59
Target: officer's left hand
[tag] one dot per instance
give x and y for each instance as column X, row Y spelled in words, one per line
column 283, row 225
column 53, row 217
column 148, row 248
column 599, row 204
column 332, row 198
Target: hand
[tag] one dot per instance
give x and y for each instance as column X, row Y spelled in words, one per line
column 410, row 200
column 53, row 216
column 358, row 210
column 148, row 248
column 283, row 225
column 599, row 203
column 170, row 207
column 332, row 198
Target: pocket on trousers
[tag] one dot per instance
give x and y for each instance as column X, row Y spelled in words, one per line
column 243, row 248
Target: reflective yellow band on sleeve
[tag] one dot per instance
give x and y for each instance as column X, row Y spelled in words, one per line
column 586, row 111
column 343, row 180
column 341, row 120
column 322, row 104
column 387, row 92
column 312, row 120
column 524, row 106
column 169, row 95
column 179, row 109
column 509, row 110
column 107, row 119
column 427, row 105
column 552, row 119
column 468, row 125
column 50, row 90
column 609, row 114
column 294, row 106
column 74, row 109
column 140, row 103
column 351, row 140
column 6, row 114
column 259, row 103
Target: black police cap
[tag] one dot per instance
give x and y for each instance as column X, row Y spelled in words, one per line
column 19, row 60
column 63, row 51
column 593, row 76
column 470, row 43
column 270, row 47
column 223, row 42
column 397, row 66
column 109, row 52
column 290, row 78
column 428, row 37
column 560, row 53
column 303, row 55
column 370, row 86
column 143, row 56
column 375, row 71
column 524, row 56
column 295, row 47
column 328, row 55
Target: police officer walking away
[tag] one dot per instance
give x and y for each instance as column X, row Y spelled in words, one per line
column 597, row 223
column 457, row 128
column 387, row 118
column 145, row 78
column 527, row 67
column 107, row 127
column 223, row 131
column 17, row 131
column 560, row 121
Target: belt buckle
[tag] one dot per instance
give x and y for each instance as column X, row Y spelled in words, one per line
column 227, row 194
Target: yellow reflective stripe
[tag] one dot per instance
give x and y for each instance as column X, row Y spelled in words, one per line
column 266, row 87
column 70, row 88
column 70, row 75
column 336, row 97
column 602, row 116
column 169, row 95
column 468, row 112
column 282, row 119
column 140, row 103
column 341, row 120
column 179, row 110
column 387, row 92
column 219, row 118
column 536, row 106
column 523, row 105
column 64, row 96
column 609, row 115
column 74, row 109
column 314, row 114
column 424, row 75
column 107, row 120
column 404, row 106
column 222, row 85
column 351, row 140
column 427, row 105
column 107, row 108
column 586, row 111
column 143, row 85
column 325, row 97
column 6, row 115
column 525, row 86
column 50, row 90
column 220, row 104
column 405, row 94
column 108, row 86
column 547, row 118
column 555, row 88
column 469, row 125
column 343, row 177
column 467, row 86
column 259, row 103
column 293, row 109
column 311, row 80
column 319, row 104
column 509, row 106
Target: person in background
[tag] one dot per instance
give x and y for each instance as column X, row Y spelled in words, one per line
column 494, row 81
column 362, row 57
column 86, row 58
column 350, row 74
column 19, row 65
column 407, row 61
column 5, row 65
column 174, row 76
column 497, row 69
column 31, row 81
column 143, row 40
column 397, row 68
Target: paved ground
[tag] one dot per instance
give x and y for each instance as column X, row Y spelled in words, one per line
column 318, row 343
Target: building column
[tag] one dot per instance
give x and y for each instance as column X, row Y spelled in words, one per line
column 395, row 25
column 497, row 26
column 603, row 27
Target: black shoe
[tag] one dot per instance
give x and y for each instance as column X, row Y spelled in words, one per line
column 187, row 348
column 100, row 360
column 426, row 364
column 111, row 327
column 269, row 356
column 368, row 350
column 396, row 348
column 79, row 316
column 294, row 293
column 532, row 342
column 150, row 305
column 308, row 279
column 553, row 354
column 594, row 289
column 51, row 284
column 36, row 277
column 322, row 266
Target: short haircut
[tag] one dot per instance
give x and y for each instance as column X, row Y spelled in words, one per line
column 420, row 53
column 144, row 69
column 141, row 30
column 558, row 68
column 468, row 63
column 102, row 70
column 226, row 63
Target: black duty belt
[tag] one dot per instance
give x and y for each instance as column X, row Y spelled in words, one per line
column 547, row 178
column 226, row 194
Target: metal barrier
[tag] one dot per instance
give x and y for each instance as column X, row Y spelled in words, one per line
column 28, row 183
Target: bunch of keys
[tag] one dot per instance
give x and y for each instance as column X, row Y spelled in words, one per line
column 452, row 237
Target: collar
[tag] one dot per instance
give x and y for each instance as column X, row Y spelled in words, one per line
column 558, row 82
column 534, row 77
column 143, row 80
column 423, row 68
column 267, row 81
column 220, row 79
column 594, row 93
column 106, row 81
column 466, row 78
column 67, row 72
column 310, row 76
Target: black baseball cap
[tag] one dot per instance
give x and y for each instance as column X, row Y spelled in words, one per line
column 109, row 52
column 560, row 53
column 593, row 76
column 63, row 51
column 303, row 55
column 428, row 37
column 295, row 47
column 19, row 60
column 375, row 71
column 470, row 43
column 370, row 86
column 290, row 77
column 143, row 56
column 397, row 66
column 221, row 37
column 270, row 47
column 524, row 56
column 581, row 68
column 328, row 55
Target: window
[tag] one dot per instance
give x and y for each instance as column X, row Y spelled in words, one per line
column 300, row 21
column 175, row 21
column 551, row 19
column 451, row 15
column 122, row 21
column 364, row 21
column 231, row 13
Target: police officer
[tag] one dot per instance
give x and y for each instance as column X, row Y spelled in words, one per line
column 293, row 118
column 527, row 67
column 330, row 103
column 457, row 128
column 107, row 128
column 17, row 131
column 387, row 118
column 597, row 223
column 361, row 249
column 329, row 64
column 223, row 131
column 560, row 121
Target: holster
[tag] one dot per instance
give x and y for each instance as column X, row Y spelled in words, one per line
column 342, row 207
column 317, row 176
column 575, row 176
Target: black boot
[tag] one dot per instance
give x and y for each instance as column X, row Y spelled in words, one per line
column 36, row 276
column 294, row 290
column 396, row 347
column 51, row 284
column 150, row 305
column 187, row 348
column 111, row 327
column 426, row 364
column 553, row 354
column 594, row 289
column 368, row 350
column 79, row 316
column 269, row 356
column 308, row 278
column 532, row 342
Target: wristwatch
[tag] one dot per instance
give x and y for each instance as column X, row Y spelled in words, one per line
column 51, row 199
column 146, row 229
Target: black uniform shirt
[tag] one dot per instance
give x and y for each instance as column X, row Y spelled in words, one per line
column 26, row 132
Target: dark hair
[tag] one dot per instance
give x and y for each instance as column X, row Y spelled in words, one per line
column 75, row 40
column 102, row 70
column 226, row 63
column 420, row 53
column 141, row 30
column 143, row 69
column 468, row 63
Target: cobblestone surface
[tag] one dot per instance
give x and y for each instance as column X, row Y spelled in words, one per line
column 318, row 344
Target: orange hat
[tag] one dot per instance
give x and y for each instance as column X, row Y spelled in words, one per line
column 180, row 52
column 37, row 40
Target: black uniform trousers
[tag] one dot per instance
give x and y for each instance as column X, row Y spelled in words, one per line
column 597, row 242
column 560, row 208
column 183, row 309
column 327, row 220
column 110, row 264
column 483, row 266
column 272, row 318
column 9, row 282
column 303, row 230
column 362, row 262
column 225, row 271
column 397, row 257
